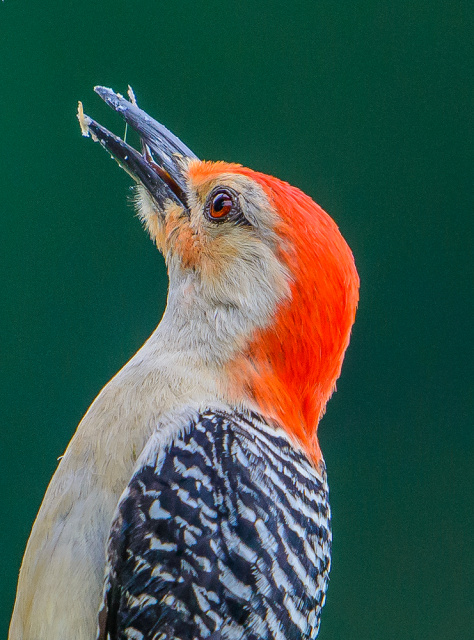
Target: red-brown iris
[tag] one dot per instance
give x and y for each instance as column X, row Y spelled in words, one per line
column 221, row 205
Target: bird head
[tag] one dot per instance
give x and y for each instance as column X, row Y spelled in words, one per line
column 262, row 282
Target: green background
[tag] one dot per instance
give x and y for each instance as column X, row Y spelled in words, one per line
column 362, row 105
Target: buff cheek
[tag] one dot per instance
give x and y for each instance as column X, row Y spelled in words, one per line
column 181, row 239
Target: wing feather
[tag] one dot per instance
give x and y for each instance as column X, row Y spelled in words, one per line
column 224, row 533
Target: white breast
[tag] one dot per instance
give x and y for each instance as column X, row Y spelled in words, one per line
column 60, row 584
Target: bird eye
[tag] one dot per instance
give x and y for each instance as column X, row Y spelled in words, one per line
column 221, row 205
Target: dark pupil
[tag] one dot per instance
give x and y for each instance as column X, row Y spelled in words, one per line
column 220, row 202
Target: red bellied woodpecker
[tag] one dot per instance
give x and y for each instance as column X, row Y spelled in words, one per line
column 192, row 501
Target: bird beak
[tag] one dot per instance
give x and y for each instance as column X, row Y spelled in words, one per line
column 159, row 168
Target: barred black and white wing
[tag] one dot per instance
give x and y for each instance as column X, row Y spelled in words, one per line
column 224, row 533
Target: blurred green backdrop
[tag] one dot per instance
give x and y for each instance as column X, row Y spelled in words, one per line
column 362, row 105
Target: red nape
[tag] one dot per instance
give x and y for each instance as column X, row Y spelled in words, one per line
column 296, row 361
